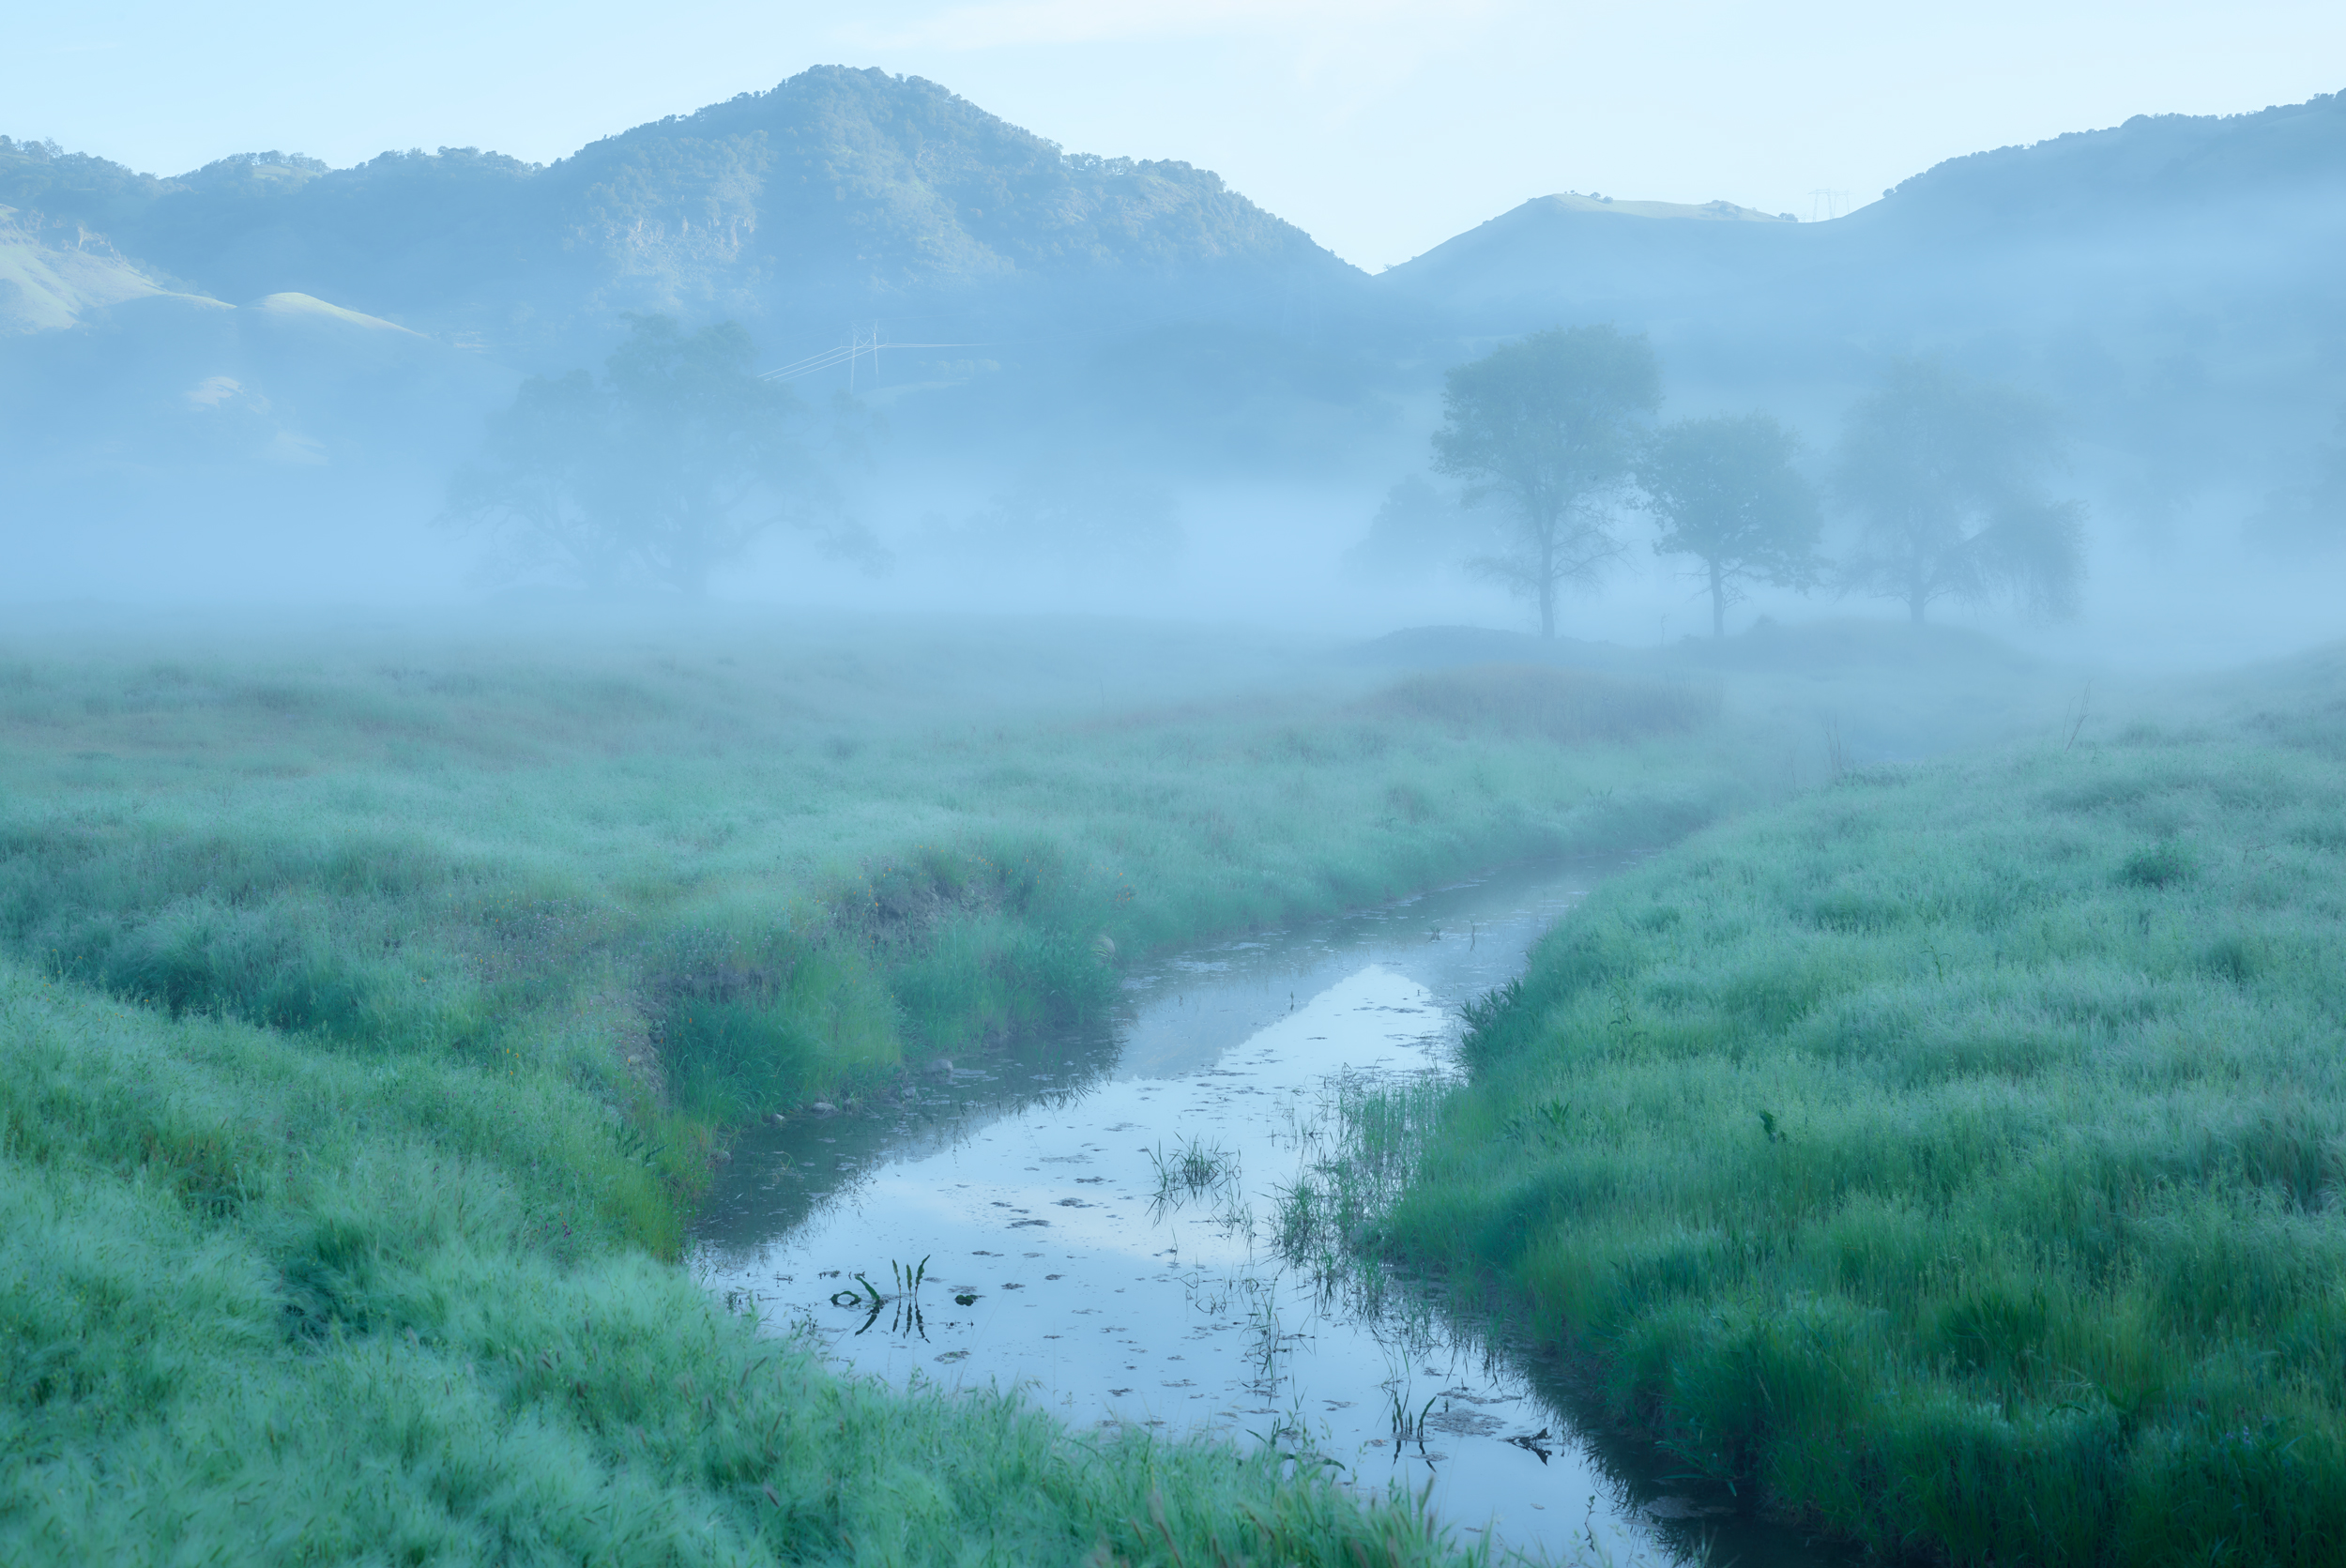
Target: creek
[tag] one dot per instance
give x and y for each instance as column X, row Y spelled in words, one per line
column 1098, row 1210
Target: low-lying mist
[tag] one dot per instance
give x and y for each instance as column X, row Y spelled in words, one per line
column 270, row 385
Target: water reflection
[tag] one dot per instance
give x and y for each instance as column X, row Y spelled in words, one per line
column 1096, row 1213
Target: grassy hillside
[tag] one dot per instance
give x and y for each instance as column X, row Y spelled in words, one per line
column 1953, row 1157
column 265, row 1304
column 700, row 880
column 370, row 1006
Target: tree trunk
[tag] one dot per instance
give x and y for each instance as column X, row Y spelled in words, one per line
column 1718, row 601
column 1547, row 582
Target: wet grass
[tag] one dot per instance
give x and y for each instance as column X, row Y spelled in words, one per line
column 1952, row 1158
column 370, row 1015
column 711, row 879
column 266, row 1304
column 1196, row 1169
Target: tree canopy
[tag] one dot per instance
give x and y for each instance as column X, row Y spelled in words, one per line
column 1947, row 478
column 661, row 473
column 1724, row 491
column 1552, row 427
column 1417, row 530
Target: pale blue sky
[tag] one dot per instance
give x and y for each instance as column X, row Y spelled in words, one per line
column 1383, row 126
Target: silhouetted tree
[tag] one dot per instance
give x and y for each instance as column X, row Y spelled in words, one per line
column 1724, row 491
column 1945, row 476
column 664, row 471
column 1550, row 426
column 539, row 485
column 1416, row 530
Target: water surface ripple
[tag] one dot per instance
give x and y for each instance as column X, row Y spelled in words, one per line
column 1097, row 1209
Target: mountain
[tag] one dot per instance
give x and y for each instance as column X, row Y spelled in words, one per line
column 52, row 273
column 1589, row 255
column 267, row 338
column 2172, row 285
column 838, row 195
column 266, row 333
column 2174, row 199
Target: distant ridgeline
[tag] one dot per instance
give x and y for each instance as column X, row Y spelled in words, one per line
column 840, row 191
column 2171, row 283
column 2113, row 269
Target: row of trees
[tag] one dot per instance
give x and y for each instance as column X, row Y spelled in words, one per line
column 679, row 456
column 1945, row 478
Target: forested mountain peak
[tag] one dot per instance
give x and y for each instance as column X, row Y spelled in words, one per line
column 923, row 181
column 2151, row 163
column 1705, row 212
column 837, row 189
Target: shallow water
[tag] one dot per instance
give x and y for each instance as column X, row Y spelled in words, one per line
column 1044, row 1186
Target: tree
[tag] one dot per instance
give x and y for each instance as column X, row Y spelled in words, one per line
column 1415, row 531
column 1945, row 476
column 666, row 470
column 1726, row 493
column 1550, row 426
column 537, row 487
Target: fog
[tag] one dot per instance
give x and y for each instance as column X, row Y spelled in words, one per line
column 598, row 753
column 977, row 373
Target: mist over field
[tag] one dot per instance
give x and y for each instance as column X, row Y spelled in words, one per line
column 1018, row 377
column 1664, row 887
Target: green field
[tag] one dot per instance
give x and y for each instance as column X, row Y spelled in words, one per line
column 1951, row 1158
column 374, row 1004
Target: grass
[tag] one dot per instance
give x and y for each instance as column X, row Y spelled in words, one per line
column 1952, row 1158
column 369, row 1009
column 679, row 868
column 267, row 1304
column 716, row 881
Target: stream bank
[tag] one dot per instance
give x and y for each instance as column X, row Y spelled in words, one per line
column 1094, row 1214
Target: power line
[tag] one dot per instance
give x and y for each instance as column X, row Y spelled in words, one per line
column 849, row 353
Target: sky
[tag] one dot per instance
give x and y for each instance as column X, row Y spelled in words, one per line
column 1380, row 127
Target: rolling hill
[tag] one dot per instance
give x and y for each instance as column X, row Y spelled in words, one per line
column 839, row 193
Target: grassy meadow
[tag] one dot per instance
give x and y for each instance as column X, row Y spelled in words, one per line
column 1952, row 1158
column 265, row 1304
column 742, row 877
column 373, row 1003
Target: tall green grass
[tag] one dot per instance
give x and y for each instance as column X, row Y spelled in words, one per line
column 265, row 1304
column 366, row 1019
column 1954, row 1158
column 675, row 880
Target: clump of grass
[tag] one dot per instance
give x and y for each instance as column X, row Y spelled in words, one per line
column 1938, row 1161
column 2159, row 865
column 1196, row 1169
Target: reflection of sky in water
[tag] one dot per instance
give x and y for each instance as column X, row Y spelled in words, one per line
column 1030, row 1182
